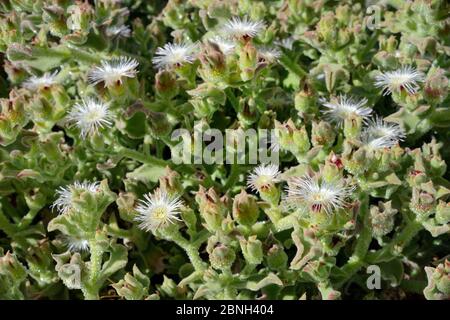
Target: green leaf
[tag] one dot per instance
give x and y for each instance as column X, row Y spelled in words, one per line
column 392, row 271
column 147, row 173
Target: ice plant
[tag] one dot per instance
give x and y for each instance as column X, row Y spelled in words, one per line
column 381, row 134
column 314, row 194
column 46, row 80
column 158, row 210
column 287, row 43
column 174, row 55
column 263, row 177
column 63, row 202
column 340, row 109
column 226, row 46
column 121, row 31
column 406, row 78
column 243, row 150
column 90, row 115
column 111, row 72
column 76, row 244
column 269, row 54
column 242, row 28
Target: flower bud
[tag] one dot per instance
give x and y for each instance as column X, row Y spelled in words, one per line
column 335, row 75
column 438, row 287
column 292, row 139
column 385, row 60
column 352, row 126
column 252, row 250
column 168, row 287
column 126, row 205
column 222, row 257
column 12, row 118
column 53, row 16
column 247, row 61
column 245, row 209
column 436, row 86
column 133, row 286
column 81, row 14
column 11, row 266
column 382, row 219
column 15, row 73
column 326, row 28
column 213, row 66
column 416, row 178
column 333, row 168
column 247, row 114
column 170, row 182
column 166, row 84
column 212, row 208
column 422, row 203
column 322, row 134
column 355, row 162
column 305, row 100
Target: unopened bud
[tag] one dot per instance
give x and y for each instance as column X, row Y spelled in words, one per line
column 322, row 134
column 222, row 257
column 245, row 209
column 252, row 250
column 166, row 84
column 212, row 208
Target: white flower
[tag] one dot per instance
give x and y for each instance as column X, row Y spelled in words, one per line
column 269, row 54
column 112, row 71
column 174, row 55
column 90, row 115
column 76, row 244
column 315, row 194
column 242, row 28
column 287, row 43
column 65, row 194
column 405, row 78
column 226, row 46
column 122, row 31
column 35, row 82
column 338, row 111
column 158, row 210
column 380, row 134
column 263, row 177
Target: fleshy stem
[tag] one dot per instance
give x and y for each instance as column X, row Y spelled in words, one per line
column 233, row 100
column 83, row 55
column 140, row 157
column 190, row 249
column 28, row 218
column 91, row 288
column 356, row 261
column 401, row 240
